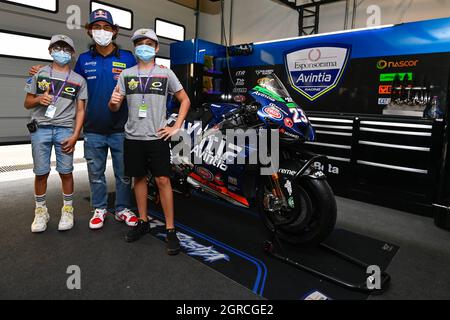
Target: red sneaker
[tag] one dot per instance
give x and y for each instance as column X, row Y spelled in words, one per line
column 127, row 216
column 98, row 219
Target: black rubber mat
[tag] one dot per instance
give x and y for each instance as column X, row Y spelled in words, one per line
column 230, row 240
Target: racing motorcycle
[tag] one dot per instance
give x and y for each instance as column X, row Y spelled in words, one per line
column 296, row 202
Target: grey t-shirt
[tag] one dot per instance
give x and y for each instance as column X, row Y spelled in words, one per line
column 74, row 89
column 161, row 83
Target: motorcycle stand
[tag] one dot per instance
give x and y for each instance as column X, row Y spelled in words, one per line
column 270, row 249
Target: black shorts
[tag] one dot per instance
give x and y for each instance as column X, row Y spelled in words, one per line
column 140, row 157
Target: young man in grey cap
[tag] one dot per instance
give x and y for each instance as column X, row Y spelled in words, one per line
column 146, row 87
column 56, row 97
column 104, row 130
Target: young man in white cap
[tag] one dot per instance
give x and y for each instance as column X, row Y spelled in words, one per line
column 146, row 87
column 56, row 97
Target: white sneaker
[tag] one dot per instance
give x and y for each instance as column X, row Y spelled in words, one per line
column 98, row 219
column 67, row 221
column 128, row 217
column 41, row 218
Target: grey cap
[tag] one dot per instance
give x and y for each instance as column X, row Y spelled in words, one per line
column 63, row 38
column 144, row 33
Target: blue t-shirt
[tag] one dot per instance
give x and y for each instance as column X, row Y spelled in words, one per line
column 101, row 74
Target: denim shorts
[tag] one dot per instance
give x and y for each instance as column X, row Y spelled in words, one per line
column 42, row 142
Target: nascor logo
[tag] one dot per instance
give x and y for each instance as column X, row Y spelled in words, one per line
column 383, row 64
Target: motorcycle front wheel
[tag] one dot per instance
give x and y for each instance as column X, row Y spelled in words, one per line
column 311, row 215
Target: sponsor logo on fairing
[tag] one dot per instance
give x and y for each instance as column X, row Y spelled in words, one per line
column 273, row 113
column 315, row 71
column 257, row 93
column 288, row 122
column 205, row 173
column 288, row 172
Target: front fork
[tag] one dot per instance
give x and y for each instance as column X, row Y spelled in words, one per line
column 276, row 190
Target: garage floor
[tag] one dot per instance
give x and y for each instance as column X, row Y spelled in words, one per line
column 34, row 266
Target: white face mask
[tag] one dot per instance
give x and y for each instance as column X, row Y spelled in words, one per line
column 102, row 38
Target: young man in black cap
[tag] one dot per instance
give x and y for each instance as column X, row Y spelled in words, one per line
column 56, row 97
column 146, row 87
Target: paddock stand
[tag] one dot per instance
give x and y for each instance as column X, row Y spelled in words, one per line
column 270, row 249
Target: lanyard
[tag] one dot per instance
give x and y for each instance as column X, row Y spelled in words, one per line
column 56, row 97
column 146, row 83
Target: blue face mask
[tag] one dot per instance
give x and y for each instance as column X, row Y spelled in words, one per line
column 62, row 58
column 145, row 53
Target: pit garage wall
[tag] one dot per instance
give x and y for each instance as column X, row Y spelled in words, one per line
column 13, row 72
column 390, row 160
column 263, row 20
column 395, row 161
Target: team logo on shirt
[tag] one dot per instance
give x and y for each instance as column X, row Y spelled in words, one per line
column 133, row 84
column 43, row 85
column 119, row 65
column 70, row 91
column 117, row 70
column 156, row 85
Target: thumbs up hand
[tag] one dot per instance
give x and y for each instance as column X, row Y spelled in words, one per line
column 116, row 97
column 116, row 100
column 46, row 99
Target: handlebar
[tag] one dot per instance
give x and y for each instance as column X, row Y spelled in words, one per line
column 247, row 108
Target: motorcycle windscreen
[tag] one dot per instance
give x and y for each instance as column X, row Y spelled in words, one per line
column 278, row 106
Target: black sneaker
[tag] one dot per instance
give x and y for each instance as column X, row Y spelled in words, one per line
column 141, row 229
column 173, row 244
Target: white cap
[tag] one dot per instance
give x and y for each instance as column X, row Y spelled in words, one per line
column 144, row 33
column 63, row 38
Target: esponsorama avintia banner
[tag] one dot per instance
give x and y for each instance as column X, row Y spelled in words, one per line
column 315, row 71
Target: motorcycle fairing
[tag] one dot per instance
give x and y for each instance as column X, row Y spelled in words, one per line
column 290, row 116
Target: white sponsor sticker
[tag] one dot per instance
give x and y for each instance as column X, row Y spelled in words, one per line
column 384, row 101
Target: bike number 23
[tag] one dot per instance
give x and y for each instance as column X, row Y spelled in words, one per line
column 299, row 116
